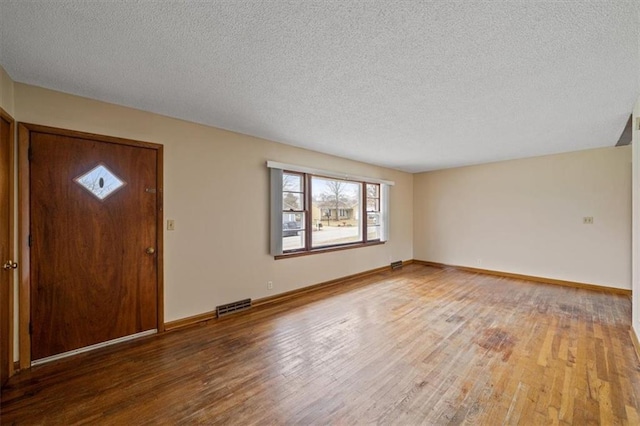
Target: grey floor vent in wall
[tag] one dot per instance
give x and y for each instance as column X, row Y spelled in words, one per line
column 233, row 307
column 396, row 265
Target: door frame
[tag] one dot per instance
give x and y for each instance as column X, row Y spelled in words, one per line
column 12, row 226
column 24, row 139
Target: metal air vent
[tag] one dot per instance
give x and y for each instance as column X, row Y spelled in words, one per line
column 396, row 265
column 233, row 307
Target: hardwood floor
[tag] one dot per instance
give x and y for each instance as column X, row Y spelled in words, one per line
column 416, row 346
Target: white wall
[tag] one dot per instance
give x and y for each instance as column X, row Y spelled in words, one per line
column 525, row 216
column 216, row 190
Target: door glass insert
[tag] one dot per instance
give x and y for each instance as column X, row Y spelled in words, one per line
column 100, row 181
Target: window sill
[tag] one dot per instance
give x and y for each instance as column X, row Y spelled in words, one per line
column 327, row 250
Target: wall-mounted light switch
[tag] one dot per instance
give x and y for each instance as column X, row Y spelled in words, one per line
column 171, row 225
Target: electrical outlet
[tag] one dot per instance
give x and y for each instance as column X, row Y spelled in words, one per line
column 270, row 285
column 587, row 220
column 171, row 225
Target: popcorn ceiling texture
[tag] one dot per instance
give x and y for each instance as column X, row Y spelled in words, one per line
column 409, row 85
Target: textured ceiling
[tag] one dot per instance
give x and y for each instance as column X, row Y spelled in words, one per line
column 410, row 85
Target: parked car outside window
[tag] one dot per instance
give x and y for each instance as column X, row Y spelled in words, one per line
column 290, row 229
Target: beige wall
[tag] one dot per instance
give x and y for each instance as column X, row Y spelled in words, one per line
column 522, row 216
column 6, row 92
column 525, row 216
column 635, row 138
column 216, row 189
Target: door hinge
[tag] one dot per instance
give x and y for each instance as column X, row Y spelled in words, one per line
column 30, row 328
column 30, row 240
column 30, row 154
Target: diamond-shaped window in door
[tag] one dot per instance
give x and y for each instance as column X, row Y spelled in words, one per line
column 100, row 182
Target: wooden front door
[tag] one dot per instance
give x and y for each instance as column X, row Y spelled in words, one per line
column 6, row 299
column 93, row 240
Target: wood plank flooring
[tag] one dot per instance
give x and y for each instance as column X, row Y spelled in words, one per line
column 416, row 346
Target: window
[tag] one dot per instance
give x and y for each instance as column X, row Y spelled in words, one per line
column 100, row 182
column 373, row 211
column 312, row 211
column 293, row 211
column 335, row 205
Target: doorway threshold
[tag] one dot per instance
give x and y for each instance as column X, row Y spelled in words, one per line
column 92, row 347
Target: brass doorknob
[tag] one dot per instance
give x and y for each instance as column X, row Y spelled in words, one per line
column 10, row 264
column 150, row 250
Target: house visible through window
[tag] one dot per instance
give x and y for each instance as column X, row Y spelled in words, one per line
column 312, row 211
column 321, row 212
column 336, row 212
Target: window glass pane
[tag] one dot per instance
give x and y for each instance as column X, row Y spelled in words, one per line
column 373, row 226
column 373, row 197
column 336, row 212
column 373, row 190
column 292, row 231
column 373, row 233
column 292, row 182
column 100, row 181
column 292, row 201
